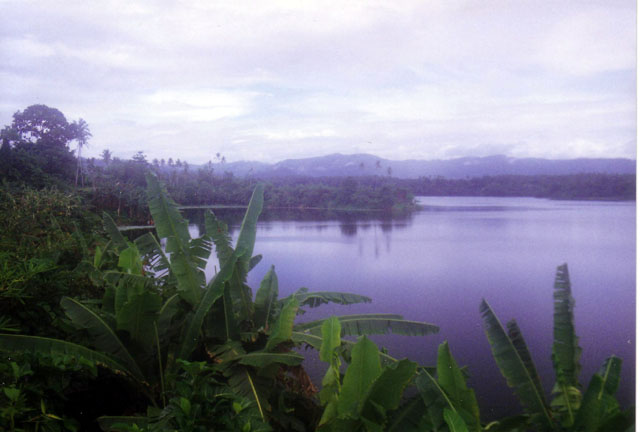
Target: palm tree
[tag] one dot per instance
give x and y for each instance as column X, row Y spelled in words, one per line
column 81, row 135
column 106, row 156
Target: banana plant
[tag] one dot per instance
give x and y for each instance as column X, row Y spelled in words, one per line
column 158, row 307
column 568, row 410
column 360, row 401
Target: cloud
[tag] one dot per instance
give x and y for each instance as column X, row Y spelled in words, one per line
column 272, row 80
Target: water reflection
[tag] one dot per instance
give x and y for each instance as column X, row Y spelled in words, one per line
column 438, row 263
column 350, row 222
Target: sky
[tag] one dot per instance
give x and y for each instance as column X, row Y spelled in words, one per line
column 272, row 80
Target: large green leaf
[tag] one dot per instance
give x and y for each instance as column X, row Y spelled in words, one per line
column 330, row 339
column 315, row 342
column 169, row 222
column 138, row 317
column 331, row 380
column 314, row 326
column 19, row 343
column 166, row 313
column 262, row 359
column 199, row 251
column 566, row 352
column 266, row 297
column 512, row 366
column 452, row 381
column 190, row 278
column 114, row 233
column 230, row 326
column 434, row 399
column 248, row 229
column 409, row 417
column 150, row 248
column 129, row 260
column 245, row 383
column 217, row 230
column 103, row 336
column 283, row 328
column 318, row 298
column 213, row 292
column 170, row 225
column 599, row 404
column 386, row 392
column 355, row 325
column 516, row 338
column 360, row 375
column 454, row 421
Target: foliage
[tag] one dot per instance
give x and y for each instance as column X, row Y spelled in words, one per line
column 575, row 186
column 158, row 309
column 35, row 147
column 361, row 400
column 597, row 411
column 45, row 235
column 33, row 391
column 198, row 401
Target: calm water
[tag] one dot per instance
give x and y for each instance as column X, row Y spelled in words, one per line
column 437, row 264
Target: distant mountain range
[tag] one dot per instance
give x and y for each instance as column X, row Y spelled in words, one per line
column 334, row 165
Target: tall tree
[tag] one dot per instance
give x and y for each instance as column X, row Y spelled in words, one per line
column 38, row 138
column 82, row 134
column 106, row 156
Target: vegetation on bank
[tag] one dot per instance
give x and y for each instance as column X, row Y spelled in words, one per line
column 587, row 186
column 99, row 331
column 192, row 354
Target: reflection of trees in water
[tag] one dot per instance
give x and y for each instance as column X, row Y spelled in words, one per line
column 349, row 221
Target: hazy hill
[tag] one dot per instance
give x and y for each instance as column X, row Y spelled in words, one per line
column 365, row 164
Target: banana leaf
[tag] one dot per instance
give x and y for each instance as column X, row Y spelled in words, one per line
column 599, row 403
column 245, row 383
column 138, row 317
column 566, row 352
column 453, row 382
column 386, row 392
column 409, row 417
column 283, row 328
column 330, row 339
column 513, row 367
column 435, row 401
column 454, row 421
column 318, row 298
column 312, row 326
column 129, row 260
column 254, row 261
column 315, row 342
column 187, row 269
column 213, row 292
column 359, row 377
column 217, row 230
column 35, row 344
column 114, row 233
column 515, row 335
column 362, row 324
column 103, row 336
column 266, row 298
column 150, row 248
column 248, row 229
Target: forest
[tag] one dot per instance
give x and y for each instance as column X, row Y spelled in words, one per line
column 102, row 331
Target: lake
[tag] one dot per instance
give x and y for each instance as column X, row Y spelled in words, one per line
column 437, row 264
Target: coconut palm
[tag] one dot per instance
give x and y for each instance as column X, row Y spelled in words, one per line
column 81, row 134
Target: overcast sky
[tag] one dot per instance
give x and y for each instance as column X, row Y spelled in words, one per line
column 268, row 80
